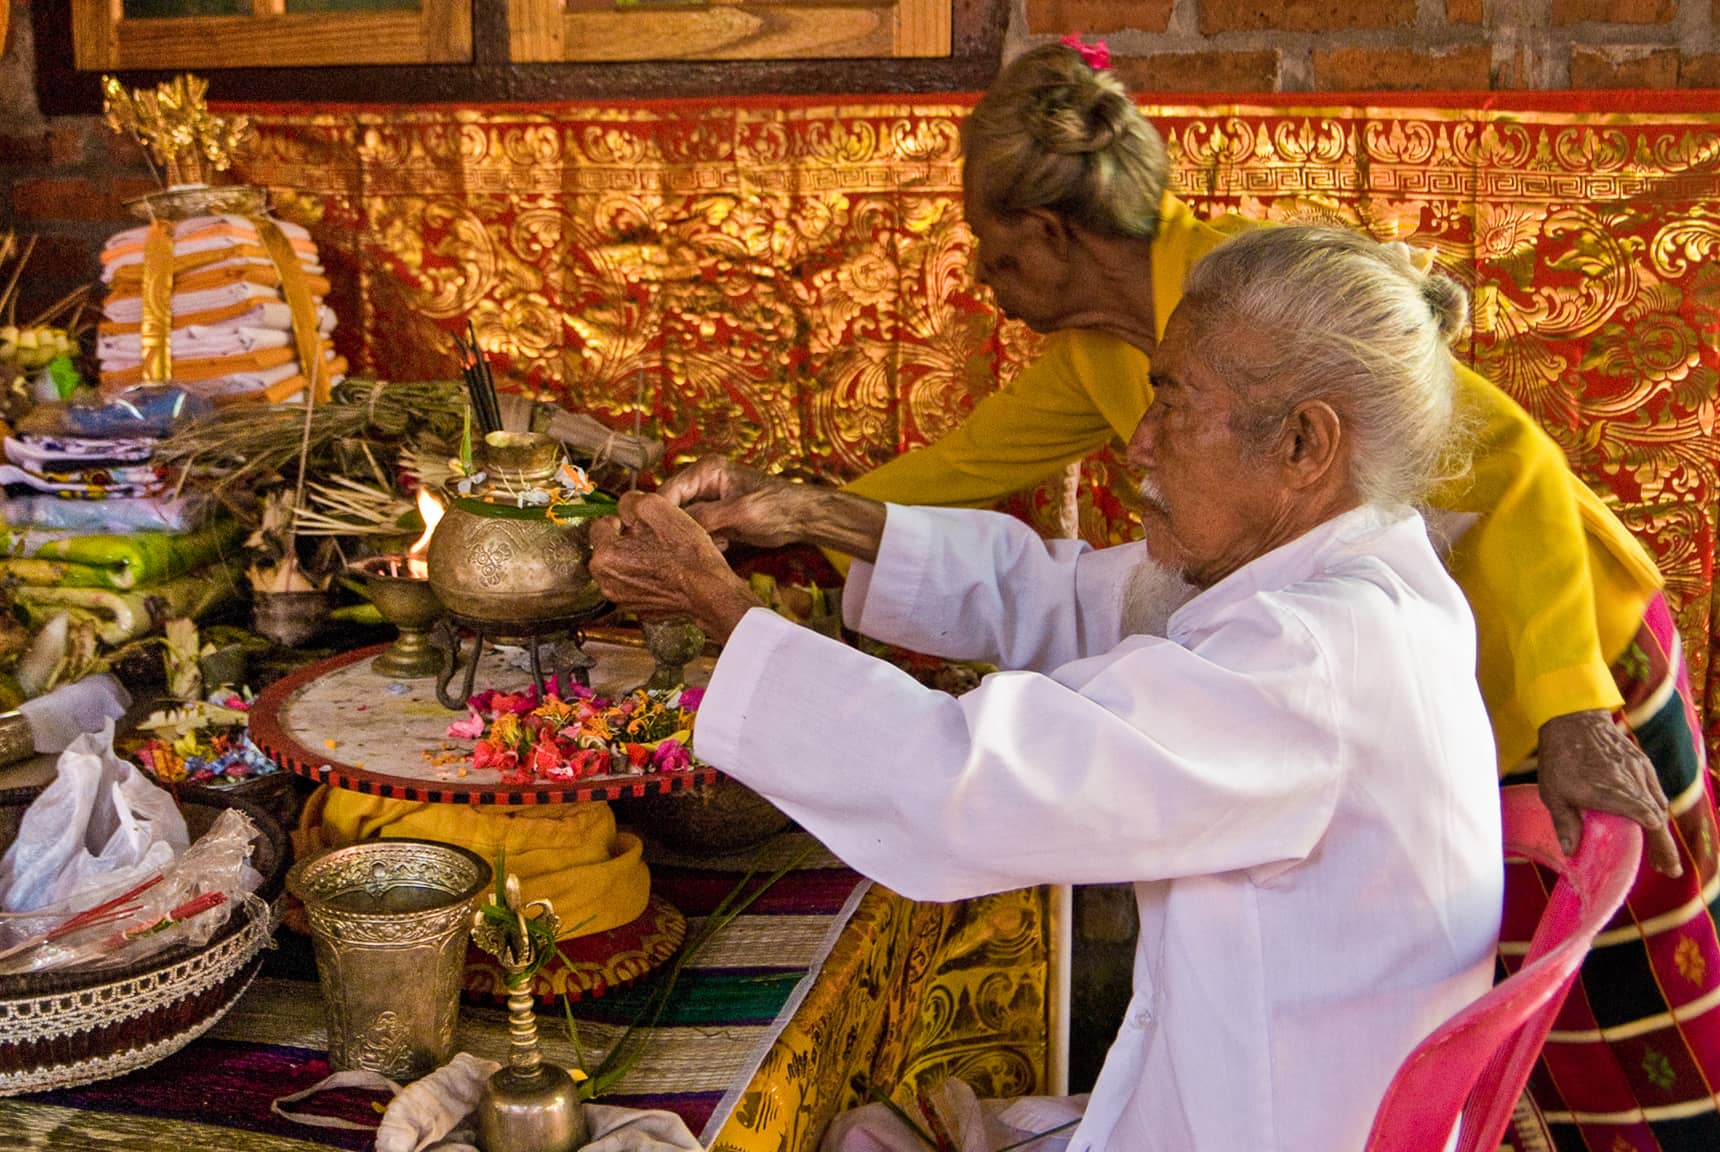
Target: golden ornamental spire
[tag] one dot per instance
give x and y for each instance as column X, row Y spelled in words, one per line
column 185, row 141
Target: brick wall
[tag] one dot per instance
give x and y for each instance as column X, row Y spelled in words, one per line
column 1413, row 45
column 66, row 178
column 63, row 179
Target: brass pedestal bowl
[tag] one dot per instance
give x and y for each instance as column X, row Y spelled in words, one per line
column 410, row 604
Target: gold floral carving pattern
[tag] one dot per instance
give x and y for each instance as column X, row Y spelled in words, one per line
column 791, row 281
column 912, row 993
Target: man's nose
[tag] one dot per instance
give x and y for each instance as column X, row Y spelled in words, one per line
column 1140, row 450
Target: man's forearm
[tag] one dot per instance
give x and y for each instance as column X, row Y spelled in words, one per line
column 841, row 522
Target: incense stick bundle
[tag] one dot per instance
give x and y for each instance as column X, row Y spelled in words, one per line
column 480, row 383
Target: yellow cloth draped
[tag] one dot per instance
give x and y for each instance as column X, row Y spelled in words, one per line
column 155, row 285
column 1556, row 582
column 569, row 854
column 301, row 301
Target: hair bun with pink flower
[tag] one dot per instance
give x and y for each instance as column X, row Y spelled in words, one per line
column 1096, row 54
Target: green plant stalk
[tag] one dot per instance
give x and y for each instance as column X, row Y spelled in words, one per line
column 878, row 1095
column 620, row 1059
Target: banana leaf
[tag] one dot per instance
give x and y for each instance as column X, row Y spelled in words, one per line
column 122, row 563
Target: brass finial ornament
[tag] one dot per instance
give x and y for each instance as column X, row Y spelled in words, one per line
column 185, row 141
column 529, row 1105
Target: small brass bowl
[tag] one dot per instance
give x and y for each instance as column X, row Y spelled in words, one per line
column 530, row 456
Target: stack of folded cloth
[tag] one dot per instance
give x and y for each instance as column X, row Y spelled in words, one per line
column 232, row 330
column 91, row 528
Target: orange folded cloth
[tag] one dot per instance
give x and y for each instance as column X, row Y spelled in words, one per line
column 250, row 313
column 201, row 232
column 274, row 384
column 208, row 278
column 184, row 267
column 210, row 368
column 220, row 240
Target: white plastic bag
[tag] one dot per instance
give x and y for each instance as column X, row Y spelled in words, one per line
column 101, row 827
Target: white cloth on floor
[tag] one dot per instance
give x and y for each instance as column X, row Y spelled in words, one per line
column 975, row 1125
column 1299, row 780
column 435, row 1112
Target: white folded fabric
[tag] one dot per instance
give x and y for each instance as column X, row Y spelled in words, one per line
column 43, row 454
column 193, row 343
column 191, row 227
column 129, row 309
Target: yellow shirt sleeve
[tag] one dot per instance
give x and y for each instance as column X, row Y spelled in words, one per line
column 1525, row 566
column 1084, row 389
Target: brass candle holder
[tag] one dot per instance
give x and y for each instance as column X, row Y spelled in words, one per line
column 673, row 641
column 530, row 1105
column 409, row 603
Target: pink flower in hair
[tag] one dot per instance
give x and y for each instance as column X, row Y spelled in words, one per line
column 1096, row 55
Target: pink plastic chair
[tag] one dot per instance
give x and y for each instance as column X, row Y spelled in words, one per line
column 1477, row 1062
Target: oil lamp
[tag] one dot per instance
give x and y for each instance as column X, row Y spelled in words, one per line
column 399, row 586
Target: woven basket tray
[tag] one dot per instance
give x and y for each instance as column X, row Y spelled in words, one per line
column 59, row 1029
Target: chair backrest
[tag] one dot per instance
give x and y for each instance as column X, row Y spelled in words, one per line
column 1477, row 1062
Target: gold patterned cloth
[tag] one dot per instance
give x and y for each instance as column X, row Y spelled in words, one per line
column 790, row 281
column 911, row 994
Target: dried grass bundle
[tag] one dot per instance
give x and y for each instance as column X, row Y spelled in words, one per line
column 238, row 446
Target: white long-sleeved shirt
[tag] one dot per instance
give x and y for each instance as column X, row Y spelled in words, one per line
column 1298, row 779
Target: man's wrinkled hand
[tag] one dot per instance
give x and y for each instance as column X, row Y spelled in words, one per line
column 651, row 558
column 713, row 478
column 1586, row 762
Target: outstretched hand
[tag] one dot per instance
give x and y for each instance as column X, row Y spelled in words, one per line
column 1586, row 762
column 653, row 559
column 734, row 502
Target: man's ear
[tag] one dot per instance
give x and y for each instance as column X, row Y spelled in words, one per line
column 1313, row 436
column 1050, row 229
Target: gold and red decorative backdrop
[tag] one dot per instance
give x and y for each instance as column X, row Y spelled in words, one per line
column 790, row 280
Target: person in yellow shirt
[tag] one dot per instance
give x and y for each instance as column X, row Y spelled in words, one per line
column 1065, row 190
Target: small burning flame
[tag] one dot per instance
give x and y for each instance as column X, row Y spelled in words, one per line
column 431, row 509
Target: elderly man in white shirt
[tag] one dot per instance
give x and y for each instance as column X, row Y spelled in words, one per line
column 1295, row 770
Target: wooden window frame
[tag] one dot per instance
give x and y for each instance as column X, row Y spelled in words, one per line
column 103, row 40
column 546, row 31
column 490, row 77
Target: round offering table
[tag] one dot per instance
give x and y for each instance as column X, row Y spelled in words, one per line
column 342, row 724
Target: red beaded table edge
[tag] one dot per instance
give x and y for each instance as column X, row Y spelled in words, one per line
column 268, row 734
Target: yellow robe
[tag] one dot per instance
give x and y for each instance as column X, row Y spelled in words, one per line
column 1556, row 582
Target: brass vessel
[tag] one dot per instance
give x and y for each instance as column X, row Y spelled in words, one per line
column 389, row 922
column 188, row 201
column 530, row 1105
column 498, row 564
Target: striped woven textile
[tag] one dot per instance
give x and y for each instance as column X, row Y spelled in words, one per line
column 729, row 1006
column 1633, row 1061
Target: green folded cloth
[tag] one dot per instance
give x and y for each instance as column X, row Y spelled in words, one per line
column 122, row 563
column 123, row 616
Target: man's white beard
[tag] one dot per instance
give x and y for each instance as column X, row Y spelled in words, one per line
column 1152, row 592
column 1150, row 595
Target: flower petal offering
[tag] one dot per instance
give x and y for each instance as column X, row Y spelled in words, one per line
column 573, row 734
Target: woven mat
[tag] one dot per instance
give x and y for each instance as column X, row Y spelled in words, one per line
column 728, row 1007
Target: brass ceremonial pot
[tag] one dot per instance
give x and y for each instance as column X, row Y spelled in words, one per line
column 498, row 564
